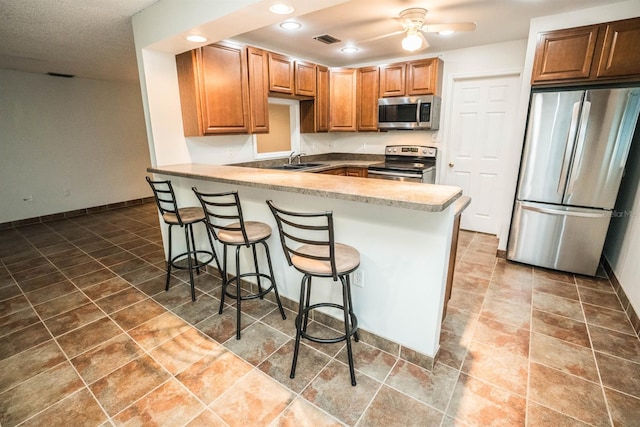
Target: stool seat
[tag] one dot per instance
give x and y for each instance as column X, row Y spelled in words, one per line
column 256, row 231
column 347, row 259
column 188, row 215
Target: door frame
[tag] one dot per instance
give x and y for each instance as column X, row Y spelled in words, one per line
column 503, row 199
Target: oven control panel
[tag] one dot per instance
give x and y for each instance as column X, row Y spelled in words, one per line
column 411, row 150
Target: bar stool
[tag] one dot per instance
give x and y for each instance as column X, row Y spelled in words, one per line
column 185, row 218
column 237, row 232
column 308, row 243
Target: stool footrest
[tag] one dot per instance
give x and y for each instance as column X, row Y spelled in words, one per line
column 197, row 263
column 249, row 296
column 352, row 331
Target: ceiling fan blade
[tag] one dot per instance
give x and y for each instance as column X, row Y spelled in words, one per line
column 383, row 36
column 455, row 26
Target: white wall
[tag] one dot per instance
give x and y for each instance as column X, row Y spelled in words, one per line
column 87, row 136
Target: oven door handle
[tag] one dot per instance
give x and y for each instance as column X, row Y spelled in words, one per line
column 398, row 174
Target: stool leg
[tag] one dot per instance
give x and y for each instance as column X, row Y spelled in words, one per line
column 238, row 299
column 166, row 288
column 347, row 327
column 307, row 304
column 351, row 313
column 213, row 249
column 193, row 245
column 298, row 322
column 190, row 264
column 255, row 263
column 224, row 278
column 273, row 280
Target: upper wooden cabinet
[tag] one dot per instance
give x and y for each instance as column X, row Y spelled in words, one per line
column 367, row 98
column 594, row 53
column 214, row 92
column 280, row 73
column 322, row 99
column 421, row 77
column 620, row 49
column 258, row 90
column 393, row 80
column 342, row 100
column 305, row 78
column 565, row 54
column 291, row 77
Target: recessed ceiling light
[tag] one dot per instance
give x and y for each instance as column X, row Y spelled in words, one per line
column 349, row 49
column 196, row 38
column 290, row 25
column 281, row 9
column 446, row 33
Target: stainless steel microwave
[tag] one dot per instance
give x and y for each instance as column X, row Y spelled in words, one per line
column 409, row 112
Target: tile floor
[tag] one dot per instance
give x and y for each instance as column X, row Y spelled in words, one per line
column 89, row 337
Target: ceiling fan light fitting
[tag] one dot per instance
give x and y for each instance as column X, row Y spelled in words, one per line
column 412, row 41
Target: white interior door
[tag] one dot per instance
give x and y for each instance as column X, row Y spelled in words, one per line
column 482, row 115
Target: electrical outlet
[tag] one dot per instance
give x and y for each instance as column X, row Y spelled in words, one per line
column 358, row 278
column 67, row 192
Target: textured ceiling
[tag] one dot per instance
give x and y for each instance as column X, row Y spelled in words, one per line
column 93, row 38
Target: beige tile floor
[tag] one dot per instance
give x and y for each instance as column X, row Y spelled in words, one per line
column 89, row 337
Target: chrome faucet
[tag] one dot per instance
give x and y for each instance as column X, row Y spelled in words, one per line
column 293, row 156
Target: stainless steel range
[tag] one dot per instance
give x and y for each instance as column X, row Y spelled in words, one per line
column 414, row 163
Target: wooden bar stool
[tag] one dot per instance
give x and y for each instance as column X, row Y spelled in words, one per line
column 184, row 218
column 308, row 244
column 225, row 207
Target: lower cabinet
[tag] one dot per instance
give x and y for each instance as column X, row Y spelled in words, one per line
column 347, row 171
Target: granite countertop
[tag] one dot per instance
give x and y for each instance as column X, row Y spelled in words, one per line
column 409, row 195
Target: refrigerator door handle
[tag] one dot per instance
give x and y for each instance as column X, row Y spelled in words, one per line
column 529, row 207
column 627, row 126
column 584, row 121
column 573, row 129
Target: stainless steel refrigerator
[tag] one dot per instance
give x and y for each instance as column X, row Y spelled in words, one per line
column 575, row 150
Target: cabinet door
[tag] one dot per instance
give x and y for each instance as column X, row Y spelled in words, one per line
column 214, row 90
column 424, row 77
column 357, row 172
column 620, row 50
column 392, row 80
column 367, row 98
column 564, row 54
column 280, row 73
column 335, row 171
column 322, row 100
column 342, row 100
column 225, row 90
column 305, row 78
column 258, row 90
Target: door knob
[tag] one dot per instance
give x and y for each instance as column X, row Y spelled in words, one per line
column 451, row 164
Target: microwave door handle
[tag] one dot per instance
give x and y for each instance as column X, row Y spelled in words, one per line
column 418, row 113
column 568, row 149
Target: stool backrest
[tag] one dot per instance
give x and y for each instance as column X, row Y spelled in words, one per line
column 300, row 228
column 222, row 208
column 165, row 198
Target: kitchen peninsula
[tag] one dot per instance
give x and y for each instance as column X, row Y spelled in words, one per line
column 402, row 230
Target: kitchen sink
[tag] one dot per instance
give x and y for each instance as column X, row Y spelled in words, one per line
column 294, row 166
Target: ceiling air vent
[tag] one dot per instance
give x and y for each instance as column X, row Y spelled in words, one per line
column 327, row 39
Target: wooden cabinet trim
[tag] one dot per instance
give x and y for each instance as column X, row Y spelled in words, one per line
column 368, row 82
column 258, row 90
column 342, row 100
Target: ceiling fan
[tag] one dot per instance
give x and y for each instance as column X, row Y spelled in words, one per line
column 414, row 27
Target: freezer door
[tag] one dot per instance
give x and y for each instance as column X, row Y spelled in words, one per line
column 607, row 122
column 558, row 237
column 549, row 142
